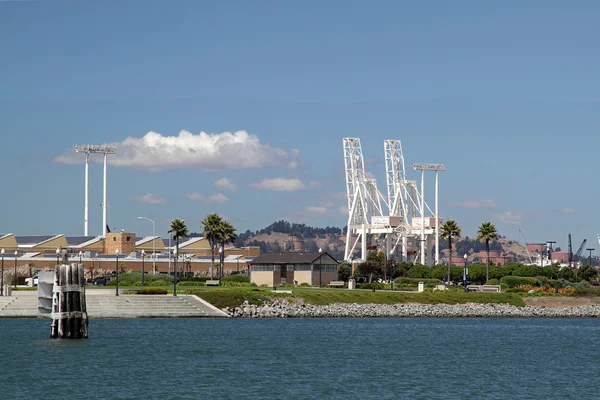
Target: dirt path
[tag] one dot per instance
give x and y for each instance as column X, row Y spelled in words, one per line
column 560, row 302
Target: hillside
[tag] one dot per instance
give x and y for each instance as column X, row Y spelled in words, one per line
column 285, row 236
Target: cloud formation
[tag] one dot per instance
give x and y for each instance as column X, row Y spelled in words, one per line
column 482, row 203
column 225, row 184
column 568, row 210
column 218, row 198
column 510, row 217
column 150, row 198
column 316, row 210
column 279, row 184
column 205, row 151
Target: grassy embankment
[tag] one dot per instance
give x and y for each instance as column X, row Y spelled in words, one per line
column 232, row 297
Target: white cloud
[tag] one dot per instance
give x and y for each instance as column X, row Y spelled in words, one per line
column 343, row 210
column 568, row 210
column 482, row 203
column 316, row 210
column 315, row 184
column 150, row 198
column 214, row 199
column 510, row 217
column 205, row 151
column 225, row 184
column 279, row 184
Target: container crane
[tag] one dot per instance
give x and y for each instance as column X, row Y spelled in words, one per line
column 580, row 250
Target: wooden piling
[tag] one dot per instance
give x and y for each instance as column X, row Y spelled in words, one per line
column 69, row 312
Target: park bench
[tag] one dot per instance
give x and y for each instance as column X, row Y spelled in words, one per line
column 439, row 287
column 336, row 284
column 213, row 282
column 474, row 288
column 491, row 288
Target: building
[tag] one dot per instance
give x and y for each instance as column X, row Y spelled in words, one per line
column 99, row 255
column 315, row 269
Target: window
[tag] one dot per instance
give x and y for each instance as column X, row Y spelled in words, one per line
column 128, row 238
column 114, row 238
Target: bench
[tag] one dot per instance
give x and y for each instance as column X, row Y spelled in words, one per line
column 491, row 288
column 213, row 282
column 439, row 287
column 336, row 284
column 474, row 288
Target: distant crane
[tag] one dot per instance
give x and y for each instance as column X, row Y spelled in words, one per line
column 525, row 240
column 578, row 254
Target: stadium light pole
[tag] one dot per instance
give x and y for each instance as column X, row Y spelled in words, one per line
column 153, row 244
column 105, row 150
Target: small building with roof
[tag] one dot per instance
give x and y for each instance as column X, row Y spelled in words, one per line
column 313, row 268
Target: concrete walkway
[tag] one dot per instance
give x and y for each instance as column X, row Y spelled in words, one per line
column 23, row 304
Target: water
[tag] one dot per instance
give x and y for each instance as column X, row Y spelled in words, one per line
column 303, row 359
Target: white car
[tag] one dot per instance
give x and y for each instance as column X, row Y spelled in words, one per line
column 32, row 281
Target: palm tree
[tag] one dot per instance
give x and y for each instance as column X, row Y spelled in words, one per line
column 209, row 227
column 449, row 230
column 178, row 230
column 225, row 235
column 487, row 232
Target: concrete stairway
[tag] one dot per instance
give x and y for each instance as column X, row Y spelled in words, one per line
column 124, row 306
column 148, row 306
column 19, row 305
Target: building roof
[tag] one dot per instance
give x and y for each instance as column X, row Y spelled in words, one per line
column 147, row 239
column 32, row 240
column 290, row 257
column 73, row 241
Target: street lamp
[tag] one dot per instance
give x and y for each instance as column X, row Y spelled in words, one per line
column 143, row 254
column 2, row 276
column 57, row 255
column 220, row 262
column 153, row 245
column 320, row 251
column 175, row 273
column 590, row 250
column 17, row 253
column 391, row 275
column 117, row 289
column 465, row 273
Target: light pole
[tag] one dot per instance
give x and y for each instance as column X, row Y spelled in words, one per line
column 220, row 262
column 57, row 255
column 391, row 275
column 143, row 255
column 2, row 276
column 169, row 252
column 590, row 250
column 117, row 264
column 320, row 252
column 153, row 245
column 238, row 263
column 17, row 253
column 175, row 273
column 465, row 273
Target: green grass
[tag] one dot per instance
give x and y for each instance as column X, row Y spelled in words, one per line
column 232, row 297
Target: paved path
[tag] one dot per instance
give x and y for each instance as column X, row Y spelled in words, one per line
column 23, row 304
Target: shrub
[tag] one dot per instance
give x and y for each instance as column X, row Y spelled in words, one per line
column 157, row 283
column 145, row 290
column 236, row 278
column 514, row 281
column 373, row 285
column 191, row 283
column 225, row 283
column 493, row 282
column 415, row 281
column 305, row 284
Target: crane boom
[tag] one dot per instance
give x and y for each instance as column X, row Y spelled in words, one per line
column 578, row 254
column 525, row 240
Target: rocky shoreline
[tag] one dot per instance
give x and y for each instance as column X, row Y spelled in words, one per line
column 285, row 309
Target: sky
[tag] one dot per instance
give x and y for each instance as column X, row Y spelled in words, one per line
column 240, row 108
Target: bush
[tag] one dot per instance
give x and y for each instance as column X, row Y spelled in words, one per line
column 305, row 284
column 514, row 281
column 493, row 282
column 145, row 290
column 372, row 285
column 415, row 281
column 236, row 278
column 225, row 283
column 191, row 283
column 157, row 283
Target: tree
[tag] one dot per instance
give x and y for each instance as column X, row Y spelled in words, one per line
column 178, row 231
column 449, row 230
column 225, row 234
column 210, row 226
column 487, row 232
column 344, row 270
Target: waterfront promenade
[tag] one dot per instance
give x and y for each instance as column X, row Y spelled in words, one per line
column 104, row 304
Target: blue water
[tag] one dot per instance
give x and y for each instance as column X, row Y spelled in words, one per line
column 303, row 359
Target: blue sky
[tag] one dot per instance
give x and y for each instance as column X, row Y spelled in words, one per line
column 505, row 94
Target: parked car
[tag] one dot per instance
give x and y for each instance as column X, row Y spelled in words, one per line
column 101, row 281
column 32, row 281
